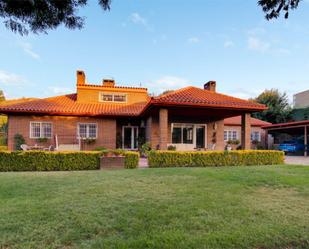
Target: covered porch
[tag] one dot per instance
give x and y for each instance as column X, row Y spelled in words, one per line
column 187, row 129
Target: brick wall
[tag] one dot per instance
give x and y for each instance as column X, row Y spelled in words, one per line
column 253, row 128
column 65, row 128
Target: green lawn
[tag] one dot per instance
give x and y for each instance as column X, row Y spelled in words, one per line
column 228, row 207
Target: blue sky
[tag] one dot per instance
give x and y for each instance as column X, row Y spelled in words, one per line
column 163, row 45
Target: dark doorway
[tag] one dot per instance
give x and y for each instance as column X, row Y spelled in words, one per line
column 200, row 137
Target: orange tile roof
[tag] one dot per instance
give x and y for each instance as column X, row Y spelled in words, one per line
column 193, row 96
column 189, row 96
column 15, row 101
column 237, row 121
column 67, row 105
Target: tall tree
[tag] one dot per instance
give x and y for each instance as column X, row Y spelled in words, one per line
column 39, row 16
column 279, row 109
column 2, row 97
column 273, row 8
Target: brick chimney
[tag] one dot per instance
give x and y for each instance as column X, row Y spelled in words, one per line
column 81, row 77
column 108, row 82
column 210, row 86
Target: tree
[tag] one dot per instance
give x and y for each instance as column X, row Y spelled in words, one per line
column 38, row 16
column 2, row 97
column 279, row 109
column 273, row 8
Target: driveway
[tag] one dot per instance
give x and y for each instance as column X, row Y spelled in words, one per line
column 301, row 160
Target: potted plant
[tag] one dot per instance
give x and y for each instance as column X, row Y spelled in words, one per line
column 112, row 159
column 232, row 144
column 42, row 140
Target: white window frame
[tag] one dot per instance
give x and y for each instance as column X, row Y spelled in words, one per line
column 87, row 130
column 41, row 129
column 132, row 136
column 230, row 132
column 193, row 134
column 113, row 96
column 259, row 136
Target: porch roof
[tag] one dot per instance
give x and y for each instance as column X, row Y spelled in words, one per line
column 193, row 96
column 237, row 121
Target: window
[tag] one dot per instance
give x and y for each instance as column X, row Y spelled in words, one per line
column 255, row 136
column 113, row 97
column 182, row 134
column 120, row 98
column 187, row 134
column 40, row 130
column 230, row 135
column 107, row 97
column 87, row 130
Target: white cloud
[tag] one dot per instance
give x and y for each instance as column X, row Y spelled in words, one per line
column 27, row 48
column 138, row 19
column 228, row 44
column 193, row 40
column 7, row 78
column 282, row 51
column 167, row 83
column 256, row 44
column 256, row 31
column 59, row 90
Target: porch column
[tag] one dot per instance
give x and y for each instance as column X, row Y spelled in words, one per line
column 246, row 131
column 220, row 144
column 163, row 128
column 305, row 141
column 148, row 129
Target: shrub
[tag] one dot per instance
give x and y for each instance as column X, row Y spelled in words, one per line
column 131, row 160
column 145, row 148
column 171, row 147
column 55, row 161
column 214, row 158
column 18, row 141
column 48, row 161
column 3, row 147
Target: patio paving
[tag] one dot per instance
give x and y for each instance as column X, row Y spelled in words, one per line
column 143, row 163
column 301, row 160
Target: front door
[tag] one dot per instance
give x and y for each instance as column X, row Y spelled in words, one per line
column 129, row 137
column 200, row 136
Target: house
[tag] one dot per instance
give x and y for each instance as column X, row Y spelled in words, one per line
column 301, row 100
column 232, row 131
column 110, row 116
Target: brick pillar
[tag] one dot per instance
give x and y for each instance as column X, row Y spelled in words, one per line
column 148, row 129
column 246, row 131
column 163, row 128
column 220, row 135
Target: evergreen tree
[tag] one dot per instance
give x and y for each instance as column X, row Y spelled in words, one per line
column 279, row 110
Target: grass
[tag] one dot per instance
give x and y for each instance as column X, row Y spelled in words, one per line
column 228, row 207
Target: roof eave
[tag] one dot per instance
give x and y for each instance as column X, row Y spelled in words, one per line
column 250, row 109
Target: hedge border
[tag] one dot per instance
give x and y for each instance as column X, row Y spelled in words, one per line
column 57, row 161
column 162, row 159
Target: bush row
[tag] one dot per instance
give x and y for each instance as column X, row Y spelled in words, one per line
column 157, row 159
column 131, row 160
column 3, row 147
column 55, row 161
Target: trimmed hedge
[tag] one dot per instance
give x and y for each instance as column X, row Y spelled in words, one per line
column 3, row 147
column 131, row 160
column 57, row 161
column 157, row 159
